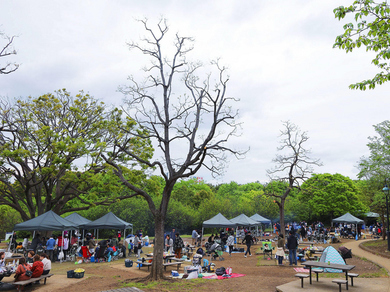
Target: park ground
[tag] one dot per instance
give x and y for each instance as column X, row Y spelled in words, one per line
column 260, row 274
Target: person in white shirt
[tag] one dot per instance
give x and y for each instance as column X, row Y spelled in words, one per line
column 46, row 263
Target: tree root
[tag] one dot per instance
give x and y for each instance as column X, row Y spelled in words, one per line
column 147, row 279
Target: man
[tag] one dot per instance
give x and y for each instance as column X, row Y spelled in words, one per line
column 50, row 247
column 168, row 244
column 292, row 244
column 136, row 242
column 173, row 233
column 248, row 239
column 194, row 236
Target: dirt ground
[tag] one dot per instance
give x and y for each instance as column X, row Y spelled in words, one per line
column 261, row 275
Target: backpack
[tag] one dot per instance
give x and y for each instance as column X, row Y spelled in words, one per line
column 220, row 271
column 200, row 251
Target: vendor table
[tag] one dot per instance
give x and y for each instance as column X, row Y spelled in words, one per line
column 344, row 268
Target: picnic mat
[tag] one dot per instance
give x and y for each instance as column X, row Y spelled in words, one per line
column 233, row 275
column 301, row 270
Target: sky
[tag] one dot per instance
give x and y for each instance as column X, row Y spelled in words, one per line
column 280, row 56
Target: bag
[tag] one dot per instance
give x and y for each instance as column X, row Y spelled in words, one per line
column 229, row 270
column 128, row 263
column 28, row 273
column 220, row 271
column 61, row 255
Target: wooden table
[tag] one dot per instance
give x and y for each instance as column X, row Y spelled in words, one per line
column 344, row 268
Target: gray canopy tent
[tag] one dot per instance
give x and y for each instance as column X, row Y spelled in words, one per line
column 243, row 220
column 48, row 221
column 218, row 221
column 262, row 220
column 78, row 220
column 109, row 221
column 348, row 218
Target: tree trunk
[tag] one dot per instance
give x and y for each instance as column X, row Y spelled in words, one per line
column 158, row 249
column 281, row 216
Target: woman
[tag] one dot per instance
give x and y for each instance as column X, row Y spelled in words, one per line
column 280, row 250
column 46, row 263
column 30, row 257
column 20, row 274
column 178, row 245
column 37, row 267
column 168, row 244
column 230, row 243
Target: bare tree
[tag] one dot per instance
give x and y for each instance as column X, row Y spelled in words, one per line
column 6, row 51
column 292, row 167
column 189, row 123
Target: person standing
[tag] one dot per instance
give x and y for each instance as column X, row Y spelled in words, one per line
column 173, row 234
column 248, row 239
column 194, row 236
column 230, row 243
column 280, row 250
column 136, row 242
column 50, row 247
column 292, row 244
column 168, row 244
column 178, row 245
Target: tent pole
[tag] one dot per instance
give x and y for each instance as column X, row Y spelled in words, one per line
column 201, row 237
column 12, row 237
column 62, row 245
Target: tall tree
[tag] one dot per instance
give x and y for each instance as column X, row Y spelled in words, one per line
column 331, row 195
column 43, row 143
column 370, row 28
column 189, row 121
column 7, row 50
column 376, row 167
column 292, row 167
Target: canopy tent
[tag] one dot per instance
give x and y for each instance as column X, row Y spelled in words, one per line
column 260, row 219
column 48, row 221
column 372, row 215
column 348, row 218
column 109, row 221
column 243, row 220
column 218, row 221
column 77, row 219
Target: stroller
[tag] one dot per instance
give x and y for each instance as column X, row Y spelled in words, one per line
column 215, row 250
column 345, row 253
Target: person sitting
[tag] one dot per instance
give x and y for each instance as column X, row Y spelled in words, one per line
column 109, row 250
column 2, row 259
column 211, row 239
column 37, row 267
column 19, row 246
column 46, row 263
column 30, row 257
column 20, row 274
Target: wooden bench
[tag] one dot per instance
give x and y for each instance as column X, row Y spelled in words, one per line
column 178, row 264
column 302, row 276
column 317, row 271
column 352, row 275
column 19, row 284
column 340, row 282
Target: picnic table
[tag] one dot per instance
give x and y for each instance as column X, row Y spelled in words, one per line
column 344, row 268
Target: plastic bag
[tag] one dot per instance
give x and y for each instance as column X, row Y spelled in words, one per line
column 61, row 255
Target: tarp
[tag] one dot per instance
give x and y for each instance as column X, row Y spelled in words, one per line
column 48, row 221
column 218, row 221
column 372, row 215
column 348, row 218
column 260, row 219
column 108, row 221
column 330, row 254
column 243, row 220
column 77, row 219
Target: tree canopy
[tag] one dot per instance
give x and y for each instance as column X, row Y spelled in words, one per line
column 370, row 28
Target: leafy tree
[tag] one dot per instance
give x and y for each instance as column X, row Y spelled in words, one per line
column 8, row 218
column 370, row 28
column 6, row 51
column 331, row 195
column 292, row 167
column 189, row 129
column 43, row 143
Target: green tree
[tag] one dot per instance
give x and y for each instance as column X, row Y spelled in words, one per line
column 50, row 150
column 331, row 195
column 191, row 130
column 369, row 27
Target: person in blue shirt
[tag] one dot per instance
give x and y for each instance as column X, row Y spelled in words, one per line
column 109, row 250
column 50, row 244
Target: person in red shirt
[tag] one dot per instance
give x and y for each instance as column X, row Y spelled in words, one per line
column 20, row 274
column 37, row 267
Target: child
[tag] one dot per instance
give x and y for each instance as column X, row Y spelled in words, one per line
column 130, row 246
